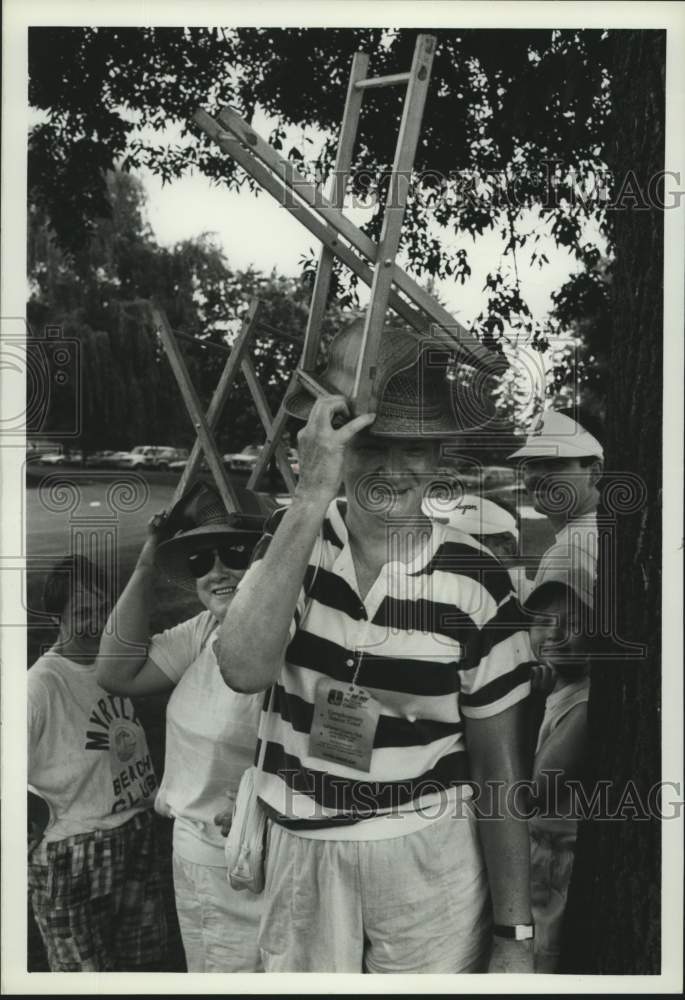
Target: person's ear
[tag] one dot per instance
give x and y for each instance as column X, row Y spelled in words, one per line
column 596, row 471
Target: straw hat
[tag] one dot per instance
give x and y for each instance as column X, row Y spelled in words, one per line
column 416, row 394
column 200, row 521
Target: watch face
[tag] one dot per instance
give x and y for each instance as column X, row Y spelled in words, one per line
column 524, row 933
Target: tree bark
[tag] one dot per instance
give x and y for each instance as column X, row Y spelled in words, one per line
column 613, row 912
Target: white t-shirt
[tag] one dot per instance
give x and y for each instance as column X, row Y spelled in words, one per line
column 87, row 753
column 211, row 734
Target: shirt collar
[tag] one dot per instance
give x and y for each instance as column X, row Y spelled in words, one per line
column 586, row 523
column 421, row 560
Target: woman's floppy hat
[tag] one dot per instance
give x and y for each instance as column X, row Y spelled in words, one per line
column 418, row 389
column 199, row 521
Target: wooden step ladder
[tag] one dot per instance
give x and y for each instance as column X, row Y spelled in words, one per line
column 391, row 287
column 205, row 424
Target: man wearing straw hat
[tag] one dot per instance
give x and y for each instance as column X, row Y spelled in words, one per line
column 389, row 646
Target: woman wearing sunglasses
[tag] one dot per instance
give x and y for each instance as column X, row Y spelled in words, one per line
column 211, row 731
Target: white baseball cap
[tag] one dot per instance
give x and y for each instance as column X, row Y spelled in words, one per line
column 472, row 514
column 557, row 436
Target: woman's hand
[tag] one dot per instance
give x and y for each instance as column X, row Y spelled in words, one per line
column 224, row 820
column 36, row 831
column 321, row 447
column 156, row 534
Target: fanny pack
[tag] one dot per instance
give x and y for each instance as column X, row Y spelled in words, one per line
column 245, row 844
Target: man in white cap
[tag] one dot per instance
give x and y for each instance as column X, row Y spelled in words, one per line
column 563, row 465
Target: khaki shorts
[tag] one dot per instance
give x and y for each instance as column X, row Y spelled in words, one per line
column 218, row 924
column 417, row 903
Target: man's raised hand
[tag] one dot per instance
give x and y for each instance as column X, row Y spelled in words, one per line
column 321, row 447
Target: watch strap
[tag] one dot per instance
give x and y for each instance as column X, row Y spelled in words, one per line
column 514, row 932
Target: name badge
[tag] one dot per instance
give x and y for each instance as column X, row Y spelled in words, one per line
column 344, row 724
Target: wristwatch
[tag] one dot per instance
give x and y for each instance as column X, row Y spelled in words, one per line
column 515, row 932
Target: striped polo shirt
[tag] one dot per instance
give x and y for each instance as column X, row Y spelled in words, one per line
column 435, row 639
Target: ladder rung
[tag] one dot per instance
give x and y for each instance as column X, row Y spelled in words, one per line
column 382, row 81
column 310, row 383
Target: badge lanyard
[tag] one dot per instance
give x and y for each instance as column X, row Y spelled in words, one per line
column 358, row 656
column 344, row 722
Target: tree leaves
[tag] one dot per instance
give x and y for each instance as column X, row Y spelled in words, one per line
column 96, row 294
column 514, row 120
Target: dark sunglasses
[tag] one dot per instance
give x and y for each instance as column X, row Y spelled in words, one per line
column 231, row 556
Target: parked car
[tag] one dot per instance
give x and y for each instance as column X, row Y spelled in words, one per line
column 163, row 457
column 245, row 460
column 152, row 456
column 33, row 455
column 62, row 458
column 137, row 458
column 107, row 459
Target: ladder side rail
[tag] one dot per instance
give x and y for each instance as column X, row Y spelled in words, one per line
column 308, row 218
column 295, row 182
column 218, row 402
column 194, row 408
column 252, row 152
column 363, row 393
column 272, row 439
column 343, row 162
column 264, row 411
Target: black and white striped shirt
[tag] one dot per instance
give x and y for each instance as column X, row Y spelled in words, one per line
column 437, row 639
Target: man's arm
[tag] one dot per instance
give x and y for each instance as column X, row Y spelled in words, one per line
column 254, row 634
column 495, row 747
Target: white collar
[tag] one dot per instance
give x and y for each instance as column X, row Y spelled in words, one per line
column 586, row 523
column 423, row 557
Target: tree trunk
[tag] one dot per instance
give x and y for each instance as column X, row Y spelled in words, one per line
column 613, row 913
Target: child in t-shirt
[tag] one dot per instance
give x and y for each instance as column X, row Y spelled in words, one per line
column 562, row 674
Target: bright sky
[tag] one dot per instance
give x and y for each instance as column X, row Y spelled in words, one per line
column 254, row 230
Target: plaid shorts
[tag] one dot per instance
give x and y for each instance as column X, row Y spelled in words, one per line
column 98, row 900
